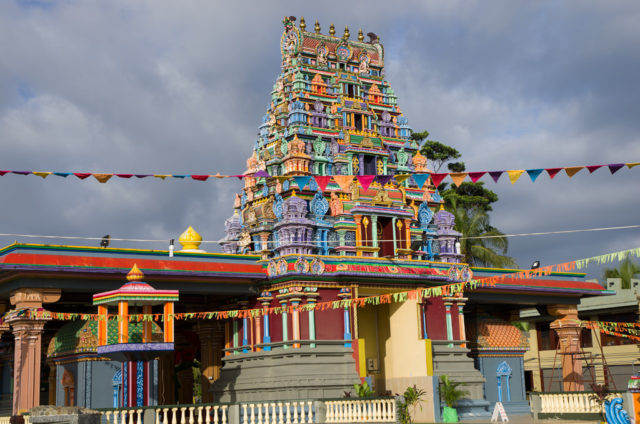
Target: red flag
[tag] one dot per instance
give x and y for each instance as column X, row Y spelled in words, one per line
column 200, row 177
column 475, row 176
column 365, row 181
column 553, row 171
column 592, row 168
column 82, row 175
column 124, row 175
column 437, row 178
column 323, row 181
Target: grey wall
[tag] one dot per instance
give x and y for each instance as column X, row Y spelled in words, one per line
column 488, row 368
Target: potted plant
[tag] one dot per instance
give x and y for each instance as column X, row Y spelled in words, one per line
column 450, row 395
column 407, row 404
column 600, row 394
column 363, row 390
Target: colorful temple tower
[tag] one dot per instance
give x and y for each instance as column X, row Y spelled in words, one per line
column 334, row 170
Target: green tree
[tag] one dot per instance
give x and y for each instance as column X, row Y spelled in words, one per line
column 436, row 152
column 626, row 270
column 481, row 244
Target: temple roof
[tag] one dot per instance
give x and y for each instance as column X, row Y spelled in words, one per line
column 136, row 292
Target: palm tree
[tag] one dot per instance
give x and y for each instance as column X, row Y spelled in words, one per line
column 481, row 244
column 626, row 270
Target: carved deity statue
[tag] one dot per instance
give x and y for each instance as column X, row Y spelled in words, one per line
column 336, row 205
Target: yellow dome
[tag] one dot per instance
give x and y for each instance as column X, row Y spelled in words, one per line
column 135, row 274
column 190, row 239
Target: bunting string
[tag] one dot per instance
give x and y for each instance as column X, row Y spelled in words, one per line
column 343, row 181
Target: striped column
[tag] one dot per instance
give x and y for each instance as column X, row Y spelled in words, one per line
column 311, row 300
column 447, row 308
column 285, row 324
column 123, row 326
column 295, row 320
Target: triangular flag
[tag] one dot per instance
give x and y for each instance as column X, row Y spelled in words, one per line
column 62, row 174
column 261, row 173
column 553, row 172
column 495, row 175
column 615, row 167
column 143, row 175
column 21, row 172
column 365, row 180
column 162, row 176
column 534, row 174
column 436, row 179
column 420, row 179
column 573, row 170
column 475, row 176
column 401, row 177
column 124, row 175
column 102, row 178
column 514, row 174
column 282, row 178
column 181, row 176
column 632, row 164
column 458, row 177
column 592, row 168
column 344, row 181
column 82, row 175
column 383, row 179
column 42, row 174
column 2, row 173
column 302, row 181
column 198, row 177
column 218, row 175
column 323, row 181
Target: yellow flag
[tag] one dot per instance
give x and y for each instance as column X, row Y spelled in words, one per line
column 573, row 170
column 401, row 177
column 514, row 174
column 102, row 178
column 458, row 177
column 41, row 174
column 162, row 176
column 344, row 181
column 632, row 164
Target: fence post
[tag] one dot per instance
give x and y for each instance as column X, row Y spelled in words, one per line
column 321, row 411
column 233, row 414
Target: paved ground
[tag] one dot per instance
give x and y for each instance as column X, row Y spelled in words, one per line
column 528, row 419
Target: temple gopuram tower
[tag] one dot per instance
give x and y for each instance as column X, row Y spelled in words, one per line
column 334, row 135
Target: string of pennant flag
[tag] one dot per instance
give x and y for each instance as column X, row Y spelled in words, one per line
column 359, row 302
column 345, row 180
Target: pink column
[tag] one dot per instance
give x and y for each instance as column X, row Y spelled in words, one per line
column 568, row 328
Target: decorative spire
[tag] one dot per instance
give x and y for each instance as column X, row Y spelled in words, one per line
column 303, row 25
column 332, row 30
column 190, row 239
column 360, row 36
column 317, row 27
column 346, row 32
column 293, row 193
column 135, row 274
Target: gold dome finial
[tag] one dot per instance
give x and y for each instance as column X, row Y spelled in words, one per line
column 303, row 24
column 293, row 193
column 360, row 35
column 135, row 274
column 190, row 239
column 317, row 27
column 441, row 206
column 332, row 30
column 346, row 32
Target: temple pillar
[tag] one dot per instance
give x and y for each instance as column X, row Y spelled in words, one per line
column 311, row 300
column 407, row 228
column 265, row 300
column 166, row 381
column 295, row 319
column 374, row 232
column 358, row 220
column 285, row 324
column 448, row 302
column 345, row 294
column 211, row 335
column 52, row 383
column 27, row 331
column 568, row 328
column 460, row 302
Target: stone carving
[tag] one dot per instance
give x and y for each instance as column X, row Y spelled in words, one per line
column 425, row 214
column 381, row 198
column 277, row 206
column 336, row 205
column 319, row 206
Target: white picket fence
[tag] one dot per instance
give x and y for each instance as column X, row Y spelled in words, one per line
column 361, row 411
column 277, row 413
column 203, row 414
column 570, row 402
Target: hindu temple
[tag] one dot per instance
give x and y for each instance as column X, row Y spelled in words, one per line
column 337, row 207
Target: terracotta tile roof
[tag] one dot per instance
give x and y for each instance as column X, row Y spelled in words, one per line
column 494, row 333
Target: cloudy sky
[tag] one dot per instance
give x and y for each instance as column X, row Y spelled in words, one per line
column 180, row 87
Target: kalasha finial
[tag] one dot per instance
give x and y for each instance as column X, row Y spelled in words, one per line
column 332, row 30
column 135, row 274
column 317, row 27
column 346, row 32
column 303, row 24
column 360, row 35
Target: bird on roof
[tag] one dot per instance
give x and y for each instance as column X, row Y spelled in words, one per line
column 372, row 37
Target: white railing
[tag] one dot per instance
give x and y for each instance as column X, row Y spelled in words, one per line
column 277, row 413
column 571, row 402
column 361, row 411
column 195, row 414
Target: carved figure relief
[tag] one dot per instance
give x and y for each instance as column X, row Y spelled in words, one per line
column 336, row 205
